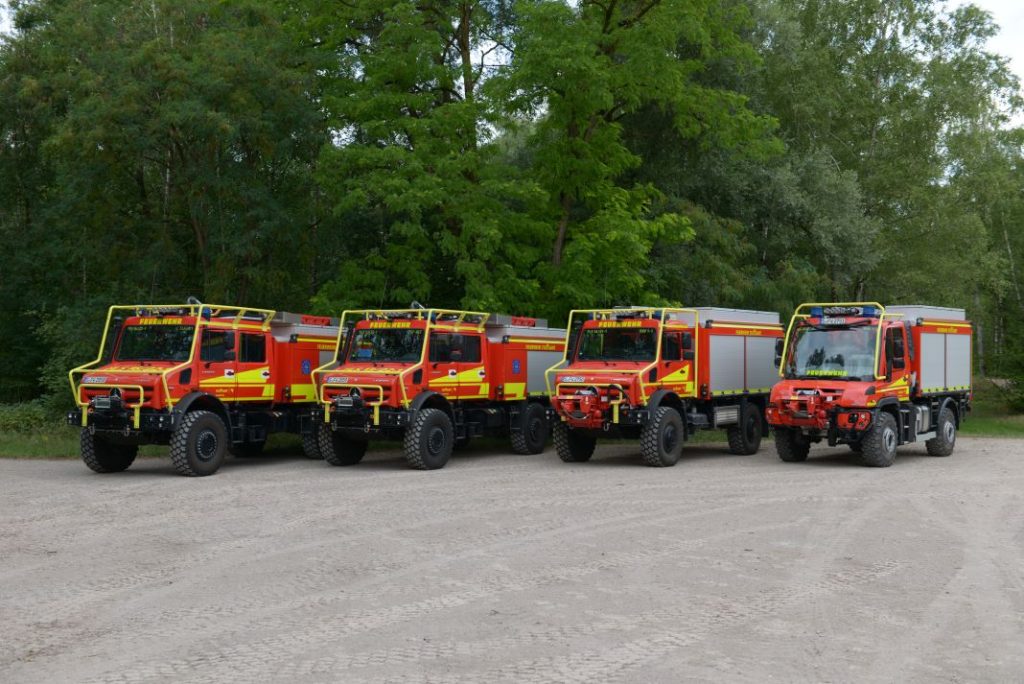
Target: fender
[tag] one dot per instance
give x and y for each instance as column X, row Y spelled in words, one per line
column 881, row 406
column 667, row 397
column 204, row 401
column 954, row 406
column 429, row 397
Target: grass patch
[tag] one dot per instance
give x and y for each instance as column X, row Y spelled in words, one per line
column 990, row 414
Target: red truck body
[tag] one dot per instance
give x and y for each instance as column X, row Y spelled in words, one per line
column 659, row 374
column 250, row 369
column 872, row 377
column 435, row 378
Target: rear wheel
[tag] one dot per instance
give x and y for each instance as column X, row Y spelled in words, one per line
column 311, row 441
column 791, row 445
column 532, row 434
column 745, row 437
column 661, row 442
column 879, row 444
column 573, row 446
column 199, row 443
column 429, row 440
column 945, row 435
column 104, row 457
column 341, row 449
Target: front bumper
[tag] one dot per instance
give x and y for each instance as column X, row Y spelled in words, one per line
column 358, row 416
column 121, row 420
column 840, row 425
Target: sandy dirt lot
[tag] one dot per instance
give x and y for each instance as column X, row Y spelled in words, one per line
column 518, row 569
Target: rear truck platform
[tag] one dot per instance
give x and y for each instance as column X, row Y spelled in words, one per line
column 201, row 378
column 434, row 379
column 873, row 378
column 660, row 374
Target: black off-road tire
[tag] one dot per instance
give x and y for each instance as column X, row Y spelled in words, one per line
column 661, row 442
column 745, row 437
column 103, row 457
column 533, row 429
column 879, row 444
column 573, row 446
column 248, row 449
column 340, row 449
column 945, row 435
column 199, row 444
column 791, row 445
column 429, row 440
column 311, row 441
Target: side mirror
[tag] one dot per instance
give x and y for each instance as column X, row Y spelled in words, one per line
column 688, row 355
column 687, row 340
column 229, row 343
column 779, row 345
column 899, row 363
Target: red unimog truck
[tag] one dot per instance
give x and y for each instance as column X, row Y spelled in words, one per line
column 202, row 378
column 872, row 377
column 435, row 378
column 659, row 375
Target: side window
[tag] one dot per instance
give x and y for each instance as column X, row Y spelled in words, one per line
column 454, row 348
column 254, row 349
column 440, row 347
column 471, row 349
column 213, row 346
column 671, row 347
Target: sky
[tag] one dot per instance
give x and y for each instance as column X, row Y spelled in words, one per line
column 1008, row 14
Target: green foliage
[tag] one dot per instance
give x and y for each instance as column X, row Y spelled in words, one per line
column 528, row 156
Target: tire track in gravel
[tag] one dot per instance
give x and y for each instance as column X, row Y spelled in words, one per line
column 252, row 661
column 613, row 663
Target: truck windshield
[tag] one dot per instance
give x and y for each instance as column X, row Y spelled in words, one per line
column 387, row 346
column 847, row 352
column 155, row 343
column 617, row 344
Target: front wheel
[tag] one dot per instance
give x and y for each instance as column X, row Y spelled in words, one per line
column 199, row 443
column 339, row 449
column 429, row 440
column 745, row 437
column 573, row 446
column 104, row 457
column 311, row 441
column 532, row 432
column 661, row 442
column 878, row 448
column 945, row 435
column 791, row 445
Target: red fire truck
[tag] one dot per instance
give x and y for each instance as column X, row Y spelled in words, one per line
column 659, row 374
column 434, row 378
column 872, row 377
column 202, row 378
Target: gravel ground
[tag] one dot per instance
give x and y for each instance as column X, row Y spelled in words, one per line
column 506, row 568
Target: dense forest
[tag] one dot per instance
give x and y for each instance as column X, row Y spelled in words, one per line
column 526, row 156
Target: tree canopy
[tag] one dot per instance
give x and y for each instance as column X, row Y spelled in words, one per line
column 525, row 156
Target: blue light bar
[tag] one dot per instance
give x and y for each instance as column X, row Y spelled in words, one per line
column 816, row 312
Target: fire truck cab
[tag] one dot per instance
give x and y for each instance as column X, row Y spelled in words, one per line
column 202, row 378
column 435, row 378
column 660, row 374
column 872, row 377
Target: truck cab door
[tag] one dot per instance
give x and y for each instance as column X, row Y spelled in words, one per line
column 897, row 362
column 471, row 370
column 442, row 372
column 674, row 366
column 253, row 381
column 217, row 365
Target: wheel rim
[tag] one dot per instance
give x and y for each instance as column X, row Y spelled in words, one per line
column 206, row 445
column 889, row 439
column 950, row 431
column 670, row 437
column 435, row 441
